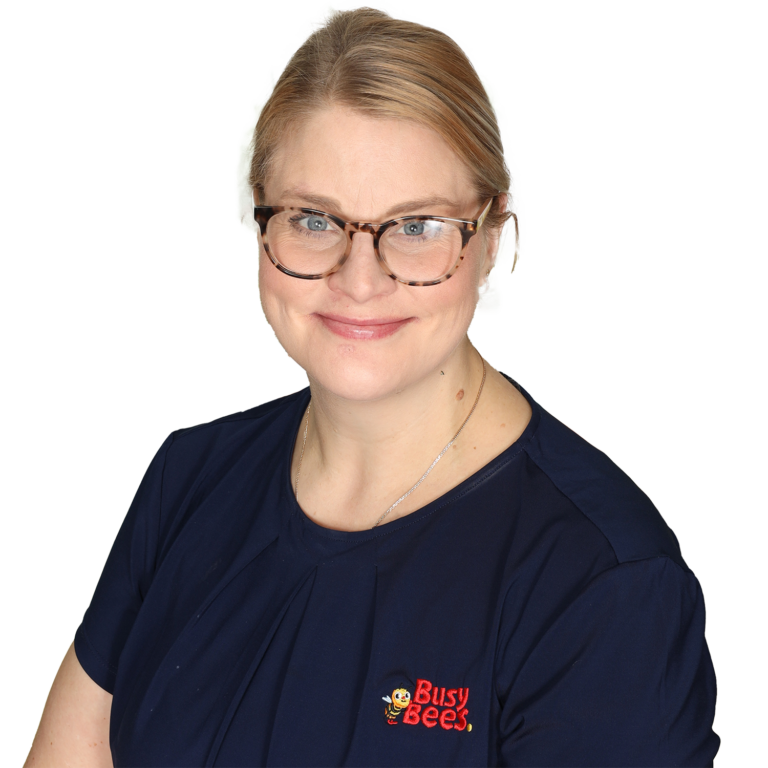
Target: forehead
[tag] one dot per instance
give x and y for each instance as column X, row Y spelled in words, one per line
column 368, row 164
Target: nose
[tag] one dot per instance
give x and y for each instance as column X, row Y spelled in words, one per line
column 361, row 277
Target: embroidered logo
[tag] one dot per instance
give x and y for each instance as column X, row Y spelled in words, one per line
column 431, row 705
column 400, row 700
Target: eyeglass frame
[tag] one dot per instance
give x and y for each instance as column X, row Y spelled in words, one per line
column 468, row 228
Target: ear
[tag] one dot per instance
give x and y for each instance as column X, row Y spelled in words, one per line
column 492, row 239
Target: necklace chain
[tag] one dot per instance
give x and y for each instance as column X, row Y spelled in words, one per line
column 421, row 479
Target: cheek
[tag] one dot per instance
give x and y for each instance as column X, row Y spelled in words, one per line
column 261, row 289
column 460, row 293
column 447, row 309
column 277, row 293
column 287, row 303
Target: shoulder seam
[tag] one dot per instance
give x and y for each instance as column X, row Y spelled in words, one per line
column 560, row 490
column 263, row 409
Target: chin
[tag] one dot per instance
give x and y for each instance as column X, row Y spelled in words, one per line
column 359, row 380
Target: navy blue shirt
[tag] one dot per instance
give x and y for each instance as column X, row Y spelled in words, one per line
column 538, row 614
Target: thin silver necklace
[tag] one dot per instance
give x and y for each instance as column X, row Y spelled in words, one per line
column 421, row 479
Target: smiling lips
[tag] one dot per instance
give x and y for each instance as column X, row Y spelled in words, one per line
column 362, row 330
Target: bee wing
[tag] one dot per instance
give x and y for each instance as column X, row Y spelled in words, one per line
column 387, row 699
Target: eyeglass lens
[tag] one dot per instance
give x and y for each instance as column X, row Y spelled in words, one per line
column 418, row 250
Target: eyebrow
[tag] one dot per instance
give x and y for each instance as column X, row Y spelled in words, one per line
column 329, row 204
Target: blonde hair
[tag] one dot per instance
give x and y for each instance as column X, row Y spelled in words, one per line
column 388, row 68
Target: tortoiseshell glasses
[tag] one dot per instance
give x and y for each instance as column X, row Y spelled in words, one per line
column 415, row 250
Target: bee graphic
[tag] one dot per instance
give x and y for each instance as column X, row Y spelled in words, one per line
column 400, row 700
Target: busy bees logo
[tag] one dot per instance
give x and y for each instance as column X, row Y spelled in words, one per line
column 429, row 706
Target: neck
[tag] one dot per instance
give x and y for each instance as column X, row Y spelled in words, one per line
column 361, row 456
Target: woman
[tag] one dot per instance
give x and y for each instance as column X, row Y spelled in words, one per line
column 410, row 562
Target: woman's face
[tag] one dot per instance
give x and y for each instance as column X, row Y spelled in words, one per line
column 371, row 170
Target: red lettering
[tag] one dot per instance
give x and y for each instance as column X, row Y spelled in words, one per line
column 411, row 715
column 435, row 691
column 462, row 724
column 450, row 697
column 423, row 687
column 463, row 696
column 447, row 716
column 429, row 717
column 442, row 696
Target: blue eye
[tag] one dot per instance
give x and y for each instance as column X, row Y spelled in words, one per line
column 414, row 228
column 316, row 223
column 416, row 231
column 311, row 224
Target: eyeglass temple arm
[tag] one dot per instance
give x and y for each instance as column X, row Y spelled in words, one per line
column 482, row 216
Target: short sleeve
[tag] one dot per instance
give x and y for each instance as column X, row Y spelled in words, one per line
column 622, row 678
column 126, row 577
